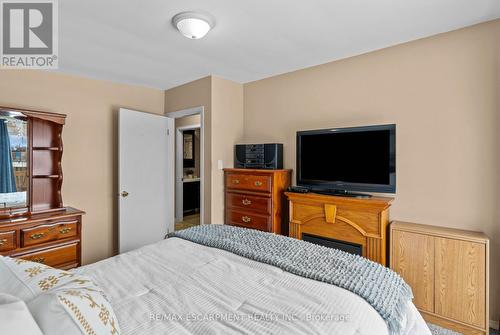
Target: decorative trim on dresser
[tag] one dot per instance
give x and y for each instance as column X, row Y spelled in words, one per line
column 53, row 239
column 362, row 222
column 39, row 228
column 448, row 270
column 254, row 199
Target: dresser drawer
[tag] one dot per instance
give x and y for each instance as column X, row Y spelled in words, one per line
column 49, row 232
column 249, row 182
column 54, row 256
column 248, row 220
column 251, row 202
column 7, row 240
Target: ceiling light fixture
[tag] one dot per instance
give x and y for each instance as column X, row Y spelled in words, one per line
column 193, row 25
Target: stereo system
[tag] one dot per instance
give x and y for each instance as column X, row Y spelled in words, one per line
column 258, row 156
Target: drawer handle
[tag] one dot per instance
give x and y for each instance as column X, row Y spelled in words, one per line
column 37, row 236
column 246, row 202
column 246, row 219
column 258, row 183
column 236, row 181
column 3, row 241
column 40, row 260
column 65, row 230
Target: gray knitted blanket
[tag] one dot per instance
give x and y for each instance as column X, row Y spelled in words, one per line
column 382, row 288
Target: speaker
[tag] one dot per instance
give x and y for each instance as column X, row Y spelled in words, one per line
column 258, row 156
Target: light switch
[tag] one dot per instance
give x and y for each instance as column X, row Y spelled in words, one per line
column 220, row 164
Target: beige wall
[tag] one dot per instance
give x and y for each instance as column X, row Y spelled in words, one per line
column 443, row 94
column 188, row 121
column 89, row 159
column 194, row 94
column 223, row 102
column 227, row 130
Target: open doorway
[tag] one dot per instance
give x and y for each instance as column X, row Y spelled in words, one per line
column 189, row 167
column 188, row 160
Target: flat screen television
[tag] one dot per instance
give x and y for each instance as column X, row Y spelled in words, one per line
column 342, row 160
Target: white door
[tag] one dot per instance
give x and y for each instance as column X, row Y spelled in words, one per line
column 146, row 183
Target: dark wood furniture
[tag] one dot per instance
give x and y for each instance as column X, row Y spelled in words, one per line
column 42, row 230
column 255, row 199
column 362, row 222
column 52, row 238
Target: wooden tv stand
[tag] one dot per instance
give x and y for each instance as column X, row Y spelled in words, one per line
column 363, row 222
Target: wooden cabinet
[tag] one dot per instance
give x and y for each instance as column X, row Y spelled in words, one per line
column 64, row 256
column 448, row 272
column 51, row 238
column 8, row 240
column 415, row 262
column 249, row 202
column 460, row 281
column 255, row 199
column 34, row 224
column 244, row 181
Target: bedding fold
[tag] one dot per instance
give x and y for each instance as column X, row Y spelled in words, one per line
column 381, row 287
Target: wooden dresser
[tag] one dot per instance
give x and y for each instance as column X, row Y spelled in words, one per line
column 53, row 238
column 357, row 222
column 255, row 199
column 448, row 271
column 34, row 224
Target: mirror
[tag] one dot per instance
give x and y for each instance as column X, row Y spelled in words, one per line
column 188, row 136
column 14, row 181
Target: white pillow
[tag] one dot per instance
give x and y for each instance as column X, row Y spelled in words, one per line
column 61, row 302
column 74, row 310
column 15, row 317
column 26, row 280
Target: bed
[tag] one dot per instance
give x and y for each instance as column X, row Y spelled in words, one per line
column 179, row 287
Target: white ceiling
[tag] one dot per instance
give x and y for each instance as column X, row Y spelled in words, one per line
column 133, row 41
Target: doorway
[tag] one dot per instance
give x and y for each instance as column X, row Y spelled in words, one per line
column 145, row 178
column 189, row 167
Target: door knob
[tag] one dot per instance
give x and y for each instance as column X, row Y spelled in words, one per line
column 124, row 194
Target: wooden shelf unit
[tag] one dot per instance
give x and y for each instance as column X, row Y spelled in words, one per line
column 448, row 271
column 42, row 230
column 45, row 150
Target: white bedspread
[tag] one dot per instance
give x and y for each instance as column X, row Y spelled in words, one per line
column 179, row 287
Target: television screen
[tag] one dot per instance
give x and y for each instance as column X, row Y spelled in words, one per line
column 350, row 159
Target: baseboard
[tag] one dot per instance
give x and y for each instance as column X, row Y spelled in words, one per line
column 494, row 325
